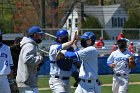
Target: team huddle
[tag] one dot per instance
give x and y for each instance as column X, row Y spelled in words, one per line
column 66, row 60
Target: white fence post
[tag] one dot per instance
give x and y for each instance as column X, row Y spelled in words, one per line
column 102, row 33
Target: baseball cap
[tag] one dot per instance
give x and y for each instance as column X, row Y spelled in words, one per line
column 35, row 29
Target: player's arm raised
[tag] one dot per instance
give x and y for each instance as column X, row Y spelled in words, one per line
column 68, row 44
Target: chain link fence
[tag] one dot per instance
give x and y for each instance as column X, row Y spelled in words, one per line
column 106, row 34
column 109, row 36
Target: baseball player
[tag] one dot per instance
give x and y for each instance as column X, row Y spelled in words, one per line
column 5, row 63
column 119, row 61
column 60, row 67
column 89, row 67
column 29, row 59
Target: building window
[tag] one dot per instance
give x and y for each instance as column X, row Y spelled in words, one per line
column 114, row 22
column 76, row 22
column 118, row 21
column 70, row 23
column 121, row 22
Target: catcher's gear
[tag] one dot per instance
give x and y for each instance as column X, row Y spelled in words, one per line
column 13, row 86
column 60, row 55
column 62, row 62
column 61, row 32
column 131, row 62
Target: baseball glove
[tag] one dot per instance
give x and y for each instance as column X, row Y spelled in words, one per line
column 131, row 62
column 60, row 55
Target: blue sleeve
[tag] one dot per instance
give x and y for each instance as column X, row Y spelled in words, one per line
column 77, row 49
column 108, row 63
column 110, row 60
column 59, row 47
column 70, row 55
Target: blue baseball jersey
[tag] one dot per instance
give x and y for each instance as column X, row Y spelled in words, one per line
column 5, row 60
column 120, row 59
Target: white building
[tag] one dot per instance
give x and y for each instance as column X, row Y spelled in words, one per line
column 111, row 17
column 72, row 23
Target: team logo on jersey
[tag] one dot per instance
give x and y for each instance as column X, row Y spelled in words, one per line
column 3, row 55
column 120, row 59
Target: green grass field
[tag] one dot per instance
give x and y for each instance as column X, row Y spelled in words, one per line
column 105, row 79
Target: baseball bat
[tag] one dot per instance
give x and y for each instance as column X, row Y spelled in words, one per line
column 50, row 35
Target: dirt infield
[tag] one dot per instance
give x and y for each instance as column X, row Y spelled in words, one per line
column 130, row 83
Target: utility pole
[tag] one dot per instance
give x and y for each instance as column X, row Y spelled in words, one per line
column 43, row 19
column 82, row 12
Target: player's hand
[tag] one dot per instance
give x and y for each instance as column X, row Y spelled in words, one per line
column 112, row 65
column 76, row 37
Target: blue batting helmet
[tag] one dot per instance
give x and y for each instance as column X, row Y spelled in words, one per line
column 89, row 35
column 35, row 29
column 61, row 32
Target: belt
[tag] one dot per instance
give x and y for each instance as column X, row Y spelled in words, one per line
column 63, row 78
column 89, row 81
column 85, row 80
column 119, row 75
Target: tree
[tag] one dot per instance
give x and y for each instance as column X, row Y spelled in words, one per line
column 132, row 23
column 5, row 26
column 92, row 2
column 133, row 9
column 93, row 23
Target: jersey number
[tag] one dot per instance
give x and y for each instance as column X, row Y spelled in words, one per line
column 6, row 63
column 126, row 65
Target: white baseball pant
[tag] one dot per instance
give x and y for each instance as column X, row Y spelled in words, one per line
column 120, row 84
column 88, row 87
column 59, row 86
column 23, row 88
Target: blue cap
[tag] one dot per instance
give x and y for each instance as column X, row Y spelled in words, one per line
column 88, row 35
column 35, row 29
column 61, row 32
